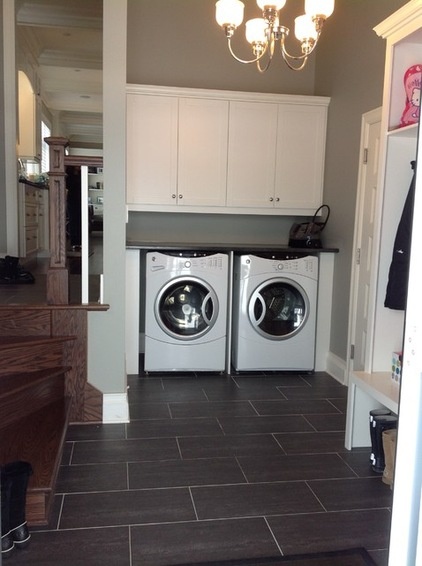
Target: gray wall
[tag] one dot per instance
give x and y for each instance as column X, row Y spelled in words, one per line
column 350, row 69
column 180, row 44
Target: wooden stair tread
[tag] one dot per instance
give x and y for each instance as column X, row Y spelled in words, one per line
column 9, row 341
column 23, row 394
column 38, row 439
column 11, row 382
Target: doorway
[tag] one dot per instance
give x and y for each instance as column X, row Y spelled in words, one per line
column 360, row 316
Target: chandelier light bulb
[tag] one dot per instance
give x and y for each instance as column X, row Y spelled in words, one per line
column 321, row 8
column 229, row 12
column 256, row 31
column 274, row 4
column 305, row 28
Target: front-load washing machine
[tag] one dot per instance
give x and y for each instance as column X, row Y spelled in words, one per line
column 186, row 311
column 274, row 312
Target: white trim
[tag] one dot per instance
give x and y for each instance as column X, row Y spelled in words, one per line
column 85, row 234
column 324, row 314
column 133, row 291
column 336, row 367
column 407, row 15
column 228, row 95
column 115, row 408
column 10, row 133
column 368, row 119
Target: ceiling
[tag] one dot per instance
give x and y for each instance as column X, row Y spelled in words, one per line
column 63, row 39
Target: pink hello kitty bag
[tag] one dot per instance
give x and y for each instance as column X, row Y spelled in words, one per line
column 412, row 86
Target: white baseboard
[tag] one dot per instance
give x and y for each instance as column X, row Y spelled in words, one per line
column 336, row 367
column 115, row 408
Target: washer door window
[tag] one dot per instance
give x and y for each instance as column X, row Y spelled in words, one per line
column 278, row 309
column 186, row 308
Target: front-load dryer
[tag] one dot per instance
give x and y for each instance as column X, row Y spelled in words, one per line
column 274, row 312
column 186, row 311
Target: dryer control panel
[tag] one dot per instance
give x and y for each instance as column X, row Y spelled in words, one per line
column 282, row 265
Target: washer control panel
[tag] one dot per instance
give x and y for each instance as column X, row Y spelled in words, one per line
column 187, row 262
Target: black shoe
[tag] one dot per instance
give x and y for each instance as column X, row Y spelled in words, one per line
column 7, row 545
column 20, row 535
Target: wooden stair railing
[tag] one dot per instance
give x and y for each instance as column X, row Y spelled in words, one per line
column 43, row 361
column 34, row 413
column 57, row 274
column 43, row 387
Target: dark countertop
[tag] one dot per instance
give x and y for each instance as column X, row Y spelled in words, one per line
column 32, row 184
column 223, row 247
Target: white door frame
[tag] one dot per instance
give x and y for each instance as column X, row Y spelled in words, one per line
column 368, row 119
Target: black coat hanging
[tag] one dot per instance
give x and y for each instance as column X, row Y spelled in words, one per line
column 398, row 275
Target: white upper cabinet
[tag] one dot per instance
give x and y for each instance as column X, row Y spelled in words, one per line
column 300, row 156
column 202, row 165
column 199, row 150
column 151, row 166
column 252, row 154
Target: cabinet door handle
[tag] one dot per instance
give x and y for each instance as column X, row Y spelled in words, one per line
column 180, row 196
column 173, row 196
column 271, row 199
column 277, row 200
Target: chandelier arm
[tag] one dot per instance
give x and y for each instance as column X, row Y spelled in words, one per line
column 292, row 67
column 271, row 44
column 263, row 69
column 304, row 56
column 232, row 53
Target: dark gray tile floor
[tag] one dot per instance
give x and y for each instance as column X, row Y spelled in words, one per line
column 212, row 468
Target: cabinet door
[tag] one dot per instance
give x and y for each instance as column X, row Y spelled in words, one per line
column 300, row 156
column 151, row 169
column 252, row 152
column 202, row 165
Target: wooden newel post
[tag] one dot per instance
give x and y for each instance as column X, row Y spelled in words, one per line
column 57, row 274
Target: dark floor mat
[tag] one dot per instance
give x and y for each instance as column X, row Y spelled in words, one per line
column 349, row 557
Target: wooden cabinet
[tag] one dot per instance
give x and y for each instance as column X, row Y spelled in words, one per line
column 225, row 152
column 33, row 223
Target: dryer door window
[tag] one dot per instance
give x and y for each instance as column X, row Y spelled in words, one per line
column 278, row 309
column 186, row 308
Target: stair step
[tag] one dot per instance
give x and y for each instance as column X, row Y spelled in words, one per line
column 38, row 438
column 21, row 393
column 20, row 354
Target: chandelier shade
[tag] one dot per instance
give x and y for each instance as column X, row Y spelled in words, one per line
column 255, row 31
column 229, row 12
column 266, row 32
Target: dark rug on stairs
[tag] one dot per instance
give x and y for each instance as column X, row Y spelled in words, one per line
column 349, row 557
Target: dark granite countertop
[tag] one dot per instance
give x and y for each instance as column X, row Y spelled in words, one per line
column 33, row 184
column 223, row 247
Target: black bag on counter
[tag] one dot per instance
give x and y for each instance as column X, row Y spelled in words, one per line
column 308, row 234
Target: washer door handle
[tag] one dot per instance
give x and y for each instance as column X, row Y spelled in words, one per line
column 264, row 309
column 205, row 302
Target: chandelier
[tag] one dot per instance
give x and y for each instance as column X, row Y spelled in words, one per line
column 264, row 33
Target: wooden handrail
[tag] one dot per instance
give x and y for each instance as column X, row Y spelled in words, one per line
column 58, row 274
